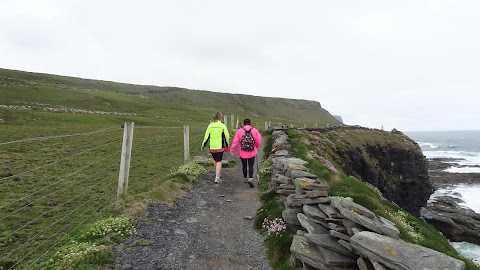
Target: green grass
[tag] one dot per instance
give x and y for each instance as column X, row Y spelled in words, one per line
column 33, row 89
column 411, row 228
column 79, row 173
column 53, row 188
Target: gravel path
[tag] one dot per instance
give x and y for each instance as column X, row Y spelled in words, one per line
column 206, row 229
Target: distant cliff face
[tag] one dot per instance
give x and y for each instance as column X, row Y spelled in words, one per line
column 339, row 118
column 388, row 160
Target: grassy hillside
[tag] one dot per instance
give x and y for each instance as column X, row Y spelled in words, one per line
column 48, row 92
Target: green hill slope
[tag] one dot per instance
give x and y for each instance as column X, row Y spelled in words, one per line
column 52, row 91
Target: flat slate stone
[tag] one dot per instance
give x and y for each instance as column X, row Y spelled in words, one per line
column 350, row 225
column 356, row 230
column 329, row 242
column 333, row 258
column 316, row 193
column 345, row 244
column 277, row 162
column 285, row 192
column 280, row 162
column 294, row 201
column 338, row 228
column 323, row 195
column 398, row 254
column 290, row 215
column 310, row 255
column 288, row 186
column 334, row 220
column 310, row 225
column 301, row 233
column 301, row 174
column 314, row 212
column 365, row 217
column 281, row 153
column 312, row 193
column 315, row 215
column 364, row 264
column 288, row 167
column 330, row 211
column 283, row 179
column 295, row 161
column 340, row 235
column 378, row 266
column 311, row 184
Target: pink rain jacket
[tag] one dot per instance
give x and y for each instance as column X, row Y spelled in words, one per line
column 238, row 138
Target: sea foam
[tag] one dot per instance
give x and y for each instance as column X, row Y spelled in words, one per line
column 469, row 194
column 467, row 162
column 467, row 169
column 468, row 250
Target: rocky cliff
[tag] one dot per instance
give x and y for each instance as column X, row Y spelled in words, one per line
column 388, row 160
column 335, row 232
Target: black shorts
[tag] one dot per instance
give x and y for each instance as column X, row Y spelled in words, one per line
column 217, row 156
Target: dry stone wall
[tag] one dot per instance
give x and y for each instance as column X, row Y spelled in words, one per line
column 336, row 233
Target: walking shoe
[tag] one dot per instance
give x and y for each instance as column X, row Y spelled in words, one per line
column 245, row 180
column 217, row 180
column 250, row 182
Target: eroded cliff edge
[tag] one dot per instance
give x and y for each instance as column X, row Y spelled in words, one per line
column 390, row 161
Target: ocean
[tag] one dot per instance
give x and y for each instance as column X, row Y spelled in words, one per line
column 463, row 148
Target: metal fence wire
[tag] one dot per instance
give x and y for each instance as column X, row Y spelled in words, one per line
column 51, row 187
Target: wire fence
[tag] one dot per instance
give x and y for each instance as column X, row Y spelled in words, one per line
column 51, row 187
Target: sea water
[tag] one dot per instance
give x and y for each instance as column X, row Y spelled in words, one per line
column 463, row 150
column 463, row 147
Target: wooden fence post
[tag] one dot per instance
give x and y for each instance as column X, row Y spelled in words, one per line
column 186, row 143
column 266, row 125
column 232, row 118
column 125, row 160
column 225, row 122
column 238, row 122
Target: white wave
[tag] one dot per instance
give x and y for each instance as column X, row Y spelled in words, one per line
column 468, row 250
column 468, row 193
column 461, row 157
column 428, row 145
column 467, row 169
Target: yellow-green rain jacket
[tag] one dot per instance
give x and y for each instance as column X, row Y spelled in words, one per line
column 218, row 136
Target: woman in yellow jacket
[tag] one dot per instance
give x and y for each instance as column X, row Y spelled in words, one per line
column 218, row 138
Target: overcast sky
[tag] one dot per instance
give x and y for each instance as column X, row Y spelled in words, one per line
column 410, row 65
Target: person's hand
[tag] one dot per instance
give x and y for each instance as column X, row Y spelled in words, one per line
column 202, row 148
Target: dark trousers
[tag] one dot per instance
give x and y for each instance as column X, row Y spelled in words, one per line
column 250, row 162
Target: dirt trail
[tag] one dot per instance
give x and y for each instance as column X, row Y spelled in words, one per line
column 207, row 229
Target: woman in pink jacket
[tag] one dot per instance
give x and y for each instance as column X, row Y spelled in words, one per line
column 248, row 140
